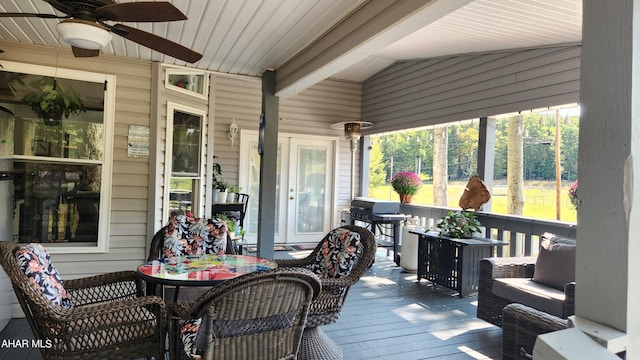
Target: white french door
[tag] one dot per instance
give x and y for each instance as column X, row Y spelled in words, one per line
column 305, row 186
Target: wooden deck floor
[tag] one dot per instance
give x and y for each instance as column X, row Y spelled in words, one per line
column 388, row 315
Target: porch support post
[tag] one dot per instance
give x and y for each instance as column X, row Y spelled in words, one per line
column 607, row 266
column 268, row 162
column 486, row 154
column 608, row 233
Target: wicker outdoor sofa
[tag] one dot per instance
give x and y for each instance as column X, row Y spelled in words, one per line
column 545, row 282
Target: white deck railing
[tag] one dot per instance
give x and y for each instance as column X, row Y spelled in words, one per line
column 522, row 233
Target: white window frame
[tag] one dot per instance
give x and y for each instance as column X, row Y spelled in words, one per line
column 102, row 245
column 196, row 206
column 205, row 82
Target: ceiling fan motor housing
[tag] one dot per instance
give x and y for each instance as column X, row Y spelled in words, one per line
column 83, row 34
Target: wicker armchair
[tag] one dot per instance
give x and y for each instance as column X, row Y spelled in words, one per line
column 110, row 317
column 326, row 309
column 520, row 327
column 155, row 253
column 256, row 316
column 490, row 305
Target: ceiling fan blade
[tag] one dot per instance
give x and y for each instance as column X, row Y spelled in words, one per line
column 156, row 43
column 80, row 52
column 145, row 11
column 42, row 16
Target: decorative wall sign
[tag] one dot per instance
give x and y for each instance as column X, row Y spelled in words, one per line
column 138, row 141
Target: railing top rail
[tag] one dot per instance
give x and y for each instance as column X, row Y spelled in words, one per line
column 515, row 223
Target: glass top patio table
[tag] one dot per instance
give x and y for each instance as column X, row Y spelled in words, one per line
column 201, row 270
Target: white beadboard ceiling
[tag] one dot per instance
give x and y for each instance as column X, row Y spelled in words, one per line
column 247, row 36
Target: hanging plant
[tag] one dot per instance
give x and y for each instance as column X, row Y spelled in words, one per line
column 51, row 101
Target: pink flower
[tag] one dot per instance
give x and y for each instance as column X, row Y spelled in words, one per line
column 573, row 193
column 406, row 183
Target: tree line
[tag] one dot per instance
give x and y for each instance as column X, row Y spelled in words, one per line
column 413, row 150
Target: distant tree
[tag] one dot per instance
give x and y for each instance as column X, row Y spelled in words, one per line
column 569, row 148
column 377, row 173
column 500, row 159
column 463, row 150
column 538, row 151
column 515, row 187
column 440, row 147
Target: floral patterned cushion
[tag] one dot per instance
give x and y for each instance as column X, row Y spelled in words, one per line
column 35, row 261
column 337, row 255
column 187, row 235
column 188, row 333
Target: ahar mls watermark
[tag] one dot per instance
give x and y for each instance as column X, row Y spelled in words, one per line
column 26, row 343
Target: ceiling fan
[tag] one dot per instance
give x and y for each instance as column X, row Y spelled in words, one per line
column 84, row 26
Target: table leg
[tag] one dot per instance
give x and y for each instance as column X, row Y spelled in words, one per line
column 175, row 294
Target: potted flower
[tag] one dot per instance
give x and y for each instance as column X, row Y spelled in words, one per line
column 459, row 224
column 51, row 101
column 573, row 194
column 406, row 184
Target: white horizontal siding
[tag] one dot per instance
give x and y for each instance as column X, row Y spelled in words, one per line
column 311, row 112
column 420, row 93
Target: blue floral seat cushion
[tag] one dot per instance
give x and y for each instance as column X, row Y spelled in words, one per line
column 337, row 255
column 186, row 235
column 35, row 261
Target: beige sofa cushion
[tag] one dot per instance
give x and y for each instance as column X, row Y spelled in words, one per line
column 528, row 292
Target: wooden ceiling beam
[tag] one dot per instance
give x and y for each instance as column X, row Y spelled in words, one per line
column 373, row 26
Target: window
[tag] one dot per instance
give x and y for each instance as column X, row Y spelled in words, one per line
column 185, row 129
column 194, row 83
column 55, row 134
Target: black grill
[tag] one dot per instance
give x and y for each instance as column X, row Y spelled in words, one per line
column 383, row 218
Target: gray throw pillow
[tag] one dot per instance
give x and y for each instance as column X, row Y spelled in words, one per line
column 556, row 263
column 550, row 238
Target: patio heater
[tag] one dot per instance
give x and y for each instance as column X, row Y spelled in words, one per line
column 353, row 132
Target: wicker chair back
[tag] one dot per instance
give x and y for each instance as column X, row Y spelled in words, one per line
column 110, row 317
column 256, row 316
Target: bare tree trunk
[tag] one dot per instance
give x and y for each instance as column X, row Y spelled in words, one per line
column 440, row 166
column 515, row 169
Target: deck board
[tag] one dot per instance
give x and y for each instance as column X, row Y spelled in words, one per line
column 388, row 315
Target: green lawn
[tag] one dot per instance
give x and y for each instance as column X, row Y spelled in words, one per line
column 539, row 198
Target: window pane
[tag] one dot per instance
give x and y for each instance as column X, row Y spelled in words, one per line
column 73, row 127
column 56, row 202
column 54, row 141
column 311, row 174
column 180, row 195
column 186, row 144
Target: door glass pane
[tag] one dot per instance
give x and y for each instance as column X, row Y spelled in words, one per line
column 251, row 218
column 311, row 197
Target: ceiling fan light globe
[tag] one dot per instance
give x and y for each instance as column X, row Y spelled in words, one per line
column 83, row 34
